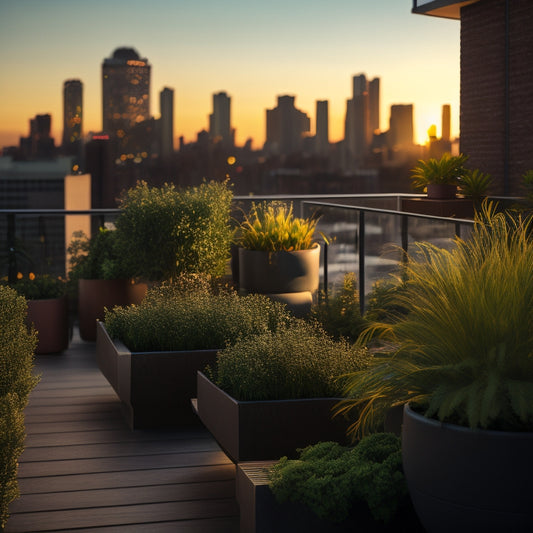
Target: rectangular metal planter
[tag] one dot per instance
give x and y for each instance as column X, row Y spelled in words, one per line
column 155, row 388
column 258, row 430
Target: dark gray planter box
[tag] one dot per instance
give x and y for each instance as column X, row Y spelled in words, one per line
column 155, row 388
column 257, row 430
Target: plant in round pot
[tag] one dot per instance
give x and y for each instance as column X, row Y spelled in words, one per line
column 462, row 359
column 439, row 177
column 150, row 353
column 162, row 232
column 47, row 310
column 101, row 278
column 474, row 184
column 273, row 392
column 278, row 255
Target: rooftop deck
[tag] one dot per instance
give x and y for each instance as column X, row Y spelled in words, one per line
column 84, row 470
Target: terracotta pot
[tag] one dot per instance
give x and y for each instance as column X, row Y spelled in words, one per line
column 474, row 480
column 50, row 319
column 93, row 296
column 441, row 191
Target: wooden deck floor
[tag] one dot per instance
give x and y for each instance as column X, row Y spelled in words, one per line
column 84, row 470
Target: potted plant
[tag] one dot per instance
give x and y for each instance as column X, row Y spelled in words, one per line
column 278, row 255
column 462, row 359
column 329, row 487
column 17, row 345
column 101, row 278
column 162, row 232
column 439, row 177
column 273, row 392
column 47, row 310
column 150, row 352
column 474, row 184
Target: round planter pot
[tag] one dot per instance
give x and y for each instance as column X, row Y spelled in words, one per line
column 279, row 272
column 439, row 191
column 93, row 296
column 50, row 319
column 471, row 480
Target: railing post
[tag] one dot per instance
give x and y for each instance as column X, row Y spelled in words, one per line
column 326, row 282
column 11, row 251
column 361, row 261
column 405, row 236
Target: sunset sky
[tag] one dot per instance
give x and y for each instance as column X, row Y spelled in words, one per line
column 254, row 50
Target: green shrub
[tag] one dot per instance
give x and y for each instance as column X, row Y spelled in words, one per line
column 272, row 226
column 190, row 315
column 385, row 301
column 297, row 361
column 340, row 313
column 39, row 287
column 474, row 184
column 444, row 171
column 464, row 353
column 163, row 232
column 330, row 478
column 17, row 346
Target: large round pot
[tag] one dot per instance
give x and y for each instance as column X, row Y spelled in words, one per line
column 93, row 296
column 279, row 272
column 467, row 480
column 50, row 319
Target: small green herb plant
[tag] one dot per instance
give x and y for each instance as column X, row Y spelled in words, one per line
column 464, row 352
column 299, row 360
column 189, row 314
column 330, row 479
column 272, row 227
column 444, row 171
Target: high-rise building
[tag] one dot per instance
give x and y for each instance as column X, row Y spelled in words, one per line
column 166, row 108
column 446, row 122
column 373, row 106
column 72, row 117
column 125, row 92
column 285, row 127
column 401, row 127
column 39, row 144
column 322, row 128
column 220, row 119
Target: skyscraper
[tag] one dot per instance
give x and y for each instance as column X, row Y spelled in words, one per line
column 220, row 119
column 166, row 108
column 286, row 126
column 72, row 117
column 125, row 92
column 322, row 128
column 401, row 127
column 446, row 122
column 373, row 106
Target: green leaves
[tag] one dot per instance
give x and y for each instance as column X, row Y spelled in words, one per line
column 445, row 171
column 272, row 227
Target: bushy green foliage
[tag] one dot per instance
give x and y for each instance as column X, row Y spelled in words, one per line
column 297, row 361
column 17, row 346
column 340, row 313
column 444, row 171
column 474, row 184
column 330, row 478
column 163, row 232
column 190, row 315
column 385, row 302
column 464, row 353
column 97, row 257
column 39, row 286
column 272, row 226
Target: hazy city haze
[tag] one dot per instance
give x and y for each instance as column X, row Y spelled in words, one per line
column 252, row 50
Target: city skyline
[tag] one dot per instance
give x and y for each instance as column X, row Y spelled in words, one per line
column 272, row 49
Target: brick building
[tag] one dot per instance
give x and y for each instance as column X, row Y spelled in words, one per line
column 496, row 118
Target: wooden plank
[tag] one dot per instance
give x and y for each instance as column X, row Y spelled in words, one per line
column 125, row 496
column 133, row 478
column 127, row 514
column 66, row 427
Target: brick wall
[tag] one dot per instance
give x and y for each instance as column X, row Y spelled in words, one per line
column 483, row 96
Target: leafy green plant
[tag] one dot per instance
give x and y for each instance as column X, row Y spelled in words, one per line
column 330, row 479
column 340, row 313
column 273, row 227
column 384, row 302
column 17, row 346
column 464, row 353
column 474, row 184
column 190, row 315
column 163, row 232
column 299, row 360
column 96, row 257
column 39, row 286
column 444, row 171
